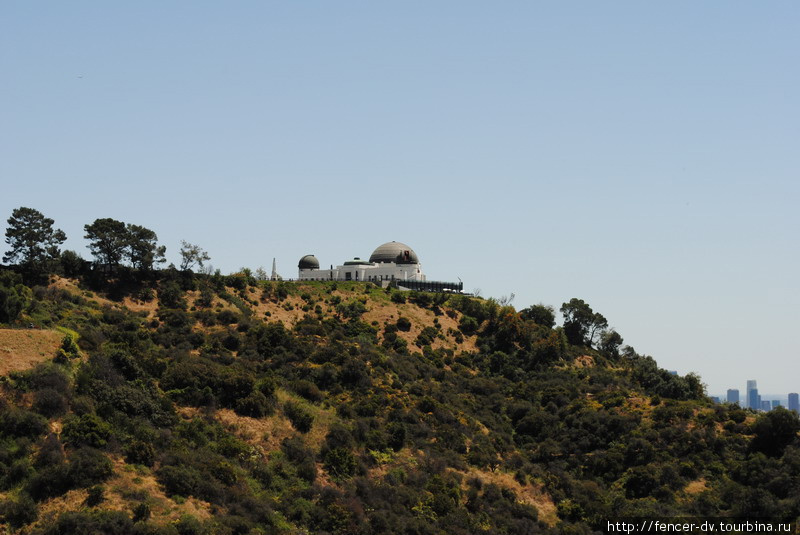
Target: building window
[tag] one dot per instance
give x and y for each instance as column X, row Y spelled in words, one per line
column 347, row 276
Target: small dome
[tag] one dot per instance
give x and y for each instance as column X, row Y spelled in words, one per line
column 396, row 252
column 309, row 261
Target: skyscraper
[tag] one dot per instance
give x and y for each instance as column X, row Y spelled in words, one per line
column 753, row 399
column 794, row 402
column 751, row 385
column 733, row 395
column 766, row 406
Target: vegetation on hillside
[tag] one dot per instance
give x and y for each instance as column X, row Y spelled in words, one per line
column 183, row 403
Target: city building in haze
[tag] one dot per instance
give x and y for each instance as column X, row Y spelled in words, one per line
column 733, row 395
column 794, row 402
column 753, row 399
column 751, row 385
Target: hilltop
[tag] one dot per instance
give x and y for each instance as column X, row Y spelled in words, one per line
column 169, row 402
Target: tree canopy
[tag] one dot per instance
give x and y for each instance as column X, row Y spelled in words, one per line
column 111, row 241
column 192, row 255
column 581, row 324
column 33, row 240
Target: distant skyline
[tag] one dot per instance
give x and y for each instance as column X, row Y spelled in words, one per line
column 642, row 157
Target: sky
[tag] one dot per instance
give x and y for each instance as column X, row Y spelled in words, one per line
column 641, row 156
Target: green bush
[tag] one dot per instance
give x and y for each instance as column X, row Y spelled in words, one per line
column 21, row 423
column 19, row 511
column 301, row 419
column 87, row 429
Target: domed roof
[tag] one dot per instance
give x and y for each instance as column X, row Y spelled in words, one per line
column 309, row 261
column 396, row 252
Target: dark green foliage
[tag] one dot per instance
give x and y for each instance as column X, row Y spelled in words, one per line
column 412, row 438
column 32, row 240
column 95, row 496
column 468, row 325
column 308, row 390
column 49, row 402
column 108, row 239
column 18, row 512
column 143, row 250
column 87, row 429
column 774, row 431
column 112, row 240
column 403, row 324
column 255, row 404
column 91, row 523
column 141, row 512
column 72, row 264
column 301, row 419
column 13, row 296
column 340, row 463
column 140, row 452
column 88, row 466
column 20, row 423
column 542, row 315
column 581, row 324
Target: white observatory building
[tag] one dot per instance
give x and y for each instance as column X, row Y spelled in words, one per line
column 393, row 261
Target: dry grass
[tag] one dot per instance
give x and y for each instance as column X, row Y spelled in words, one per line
column 21, row 349
column 124, row 491
column 388, row 313
column 529, row 494
column 266, row 434
column 696, row 487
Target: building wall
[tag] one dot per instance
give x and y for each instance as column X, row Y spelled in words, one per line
column 375, row 272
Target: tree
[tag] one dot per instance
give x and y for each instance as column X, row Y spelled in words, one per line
column 610, row 341
column 108, row 238
column 112, row 241
column 142, row 248
column 581, row 324
column 543, row 315
column 774, row 431
column 192, row 255
column 33, row 240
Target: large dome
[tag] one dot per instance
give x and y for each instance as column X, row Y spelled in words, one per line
column 396, row 252
column 309, row 261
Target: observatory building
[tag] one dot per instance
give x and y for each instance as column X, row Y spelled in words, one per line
column 391, row 263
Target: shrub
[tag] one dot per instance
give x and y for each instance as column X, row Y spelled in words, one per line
column 308, row 390
column 180, row 480
column 19, row 512
column 88, row 466
column 403, row 324
column 139, row 452
column 48, row 402
column 468, row 325
column 141, row 512
column 340, row 463
column 96, row 495
column 301, row 419
column 21, row 423
column 87, row 429
column 255, row 405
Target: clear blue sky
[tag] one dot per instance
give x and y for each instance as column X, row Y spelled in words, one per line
column 641, row 156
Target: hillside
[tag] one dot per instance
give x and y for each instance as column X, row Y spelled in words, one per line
column 183, row 404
